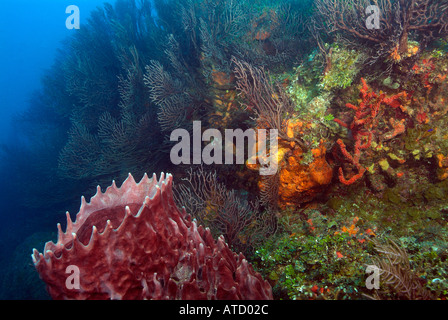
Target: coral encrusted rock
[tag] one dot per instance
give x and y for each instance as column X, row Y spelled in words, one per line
column 133, row 242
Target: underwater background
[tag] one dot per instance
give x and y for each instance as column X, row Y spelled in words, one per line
column 360, row 109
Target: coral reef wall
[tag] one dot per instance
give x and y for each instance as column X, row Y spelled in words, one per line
column 362, row 153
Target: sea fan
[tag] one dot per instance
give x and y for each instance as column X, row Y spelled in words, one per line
column 396, row 274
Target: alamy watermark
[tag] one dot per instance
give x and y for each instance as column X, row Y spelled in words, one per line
column 73, row 20
column 373, row 280
column 373, row 19
column 72, row 281
column 188, row 150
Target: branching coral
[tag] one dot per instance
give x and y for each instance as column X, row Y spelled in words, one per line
column 363, row 125
column 398, row 19
column 119, row 144
column 270, row 103
column 243, row 223
column 80, row 157
column 218, row 30
column 168, row 94
column 396, row 274
column 114, row 126
column 224, row 211
column 269, row 190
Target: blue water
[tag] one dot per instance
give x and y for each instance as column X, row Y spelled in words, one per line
column 30, row 34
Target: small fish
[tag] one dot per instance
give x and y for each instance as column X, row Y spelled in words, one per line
column 426, row 134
